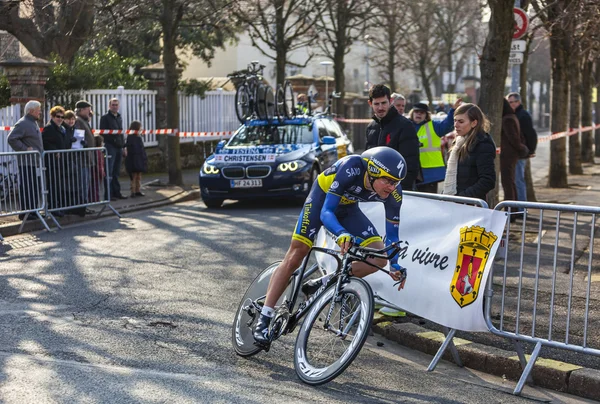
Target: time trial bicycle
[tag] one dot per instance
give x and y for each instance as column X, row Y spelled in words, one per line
column 338, row 315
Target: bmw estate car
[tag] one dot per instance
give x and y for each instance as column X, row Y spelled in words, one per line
column 277, row 159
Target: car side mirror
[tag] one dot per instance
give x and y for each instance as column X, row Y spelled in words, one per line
column 220, row 145
column 327, row 140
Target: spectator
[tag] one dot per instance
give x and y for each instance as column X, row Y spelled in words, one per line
column 389, row 128
column 531, row 139
column 429, row 133
column 399, row 102
column 471, row 169
column 302, row 104
column 86, row 161
column 26, row 136
column 72, row 170
column 115, row 144
column 136, row 160
column 54, row 137
column 511, row 148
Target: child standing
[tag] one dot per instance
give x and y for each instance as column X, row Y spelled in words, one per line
column 136, row 161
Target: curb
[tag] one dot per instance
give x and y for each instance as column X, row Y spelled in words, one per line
column 547, row 373
column 183, row 196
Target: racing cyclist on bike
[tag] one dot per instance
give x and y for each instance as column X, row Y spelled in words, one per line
column 332, row 202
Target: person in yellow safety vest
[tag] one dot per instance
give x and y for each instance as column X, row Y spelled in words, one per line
column 302, row 105
column 433, row 168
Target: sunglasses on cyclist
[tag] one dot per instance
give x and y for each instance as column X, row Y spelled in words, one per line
column 389, row 181
column 59, row 116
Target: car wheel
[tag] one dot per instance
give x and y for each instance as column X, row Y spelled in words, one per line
column 213, row 203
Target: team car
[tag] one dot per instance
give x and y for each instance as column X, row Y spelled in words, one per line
column 272, row 159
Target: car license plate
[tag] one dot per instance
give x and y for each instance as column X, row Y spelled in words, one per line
column 246, row 183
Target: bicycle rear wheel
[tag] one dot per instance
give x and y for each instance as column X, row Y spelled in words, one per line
column 243, row 109
column 289, row 104
column 322, row 353
column 266, row 102
column 241, row 333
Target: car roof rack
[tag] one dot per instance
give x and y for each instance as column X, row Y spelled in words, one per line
column 301, row 120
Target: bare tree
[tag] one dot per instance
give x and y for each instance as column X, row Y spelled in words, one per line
column 278, row 27
column 390, row 17
column 555, row 16
column 47, row 27
column 339, row 25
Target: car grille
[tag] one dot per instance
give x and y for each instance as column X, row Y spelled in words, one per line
column 258, row 171
column 233, row 172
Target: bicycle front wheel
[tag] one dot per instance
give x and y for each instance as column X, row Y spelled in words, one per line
column 327, row 345
column 289, row 102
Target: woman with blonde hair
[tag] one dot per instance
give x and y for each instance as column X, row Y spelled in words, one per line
column 471, row 170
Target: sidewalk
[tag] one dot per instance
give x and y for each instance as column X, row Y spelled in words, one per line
column 155, row 186
column 557, row 369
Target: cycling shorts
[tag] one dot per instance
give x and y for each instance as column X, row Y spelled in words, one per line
column 350, row 217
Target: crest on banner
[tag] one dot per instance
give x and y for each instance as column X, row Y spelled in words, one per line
column 473, row 252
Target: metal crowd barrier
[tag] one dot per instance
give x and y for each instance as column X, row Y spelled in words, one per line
column 75, row 179
column 21, row 186
column 448, row 343
column 543, row 293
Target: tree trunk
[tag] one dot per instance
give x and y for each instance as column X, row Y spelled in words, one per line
column 587, row 138
column 282, row 49
column 169, row 26
column 575, row 109
column 597, row 134
column 493, row 66
column 391, row 65
column 557, row 175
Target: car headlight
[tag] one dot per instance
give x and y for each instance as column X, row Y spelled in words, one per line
column 291, row 165
column 209, row 169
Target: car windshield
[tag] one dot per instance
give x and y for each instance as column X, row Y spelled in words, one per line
column 270, row 135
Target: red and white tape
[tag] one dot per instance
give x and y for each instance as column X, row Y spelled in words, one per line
column 173, row 132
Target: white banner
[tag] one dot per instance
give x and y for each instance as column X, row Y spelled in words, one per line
column 448, row 250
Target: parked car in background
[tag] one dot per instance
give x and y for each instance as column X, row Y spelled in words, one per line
column 272, row 159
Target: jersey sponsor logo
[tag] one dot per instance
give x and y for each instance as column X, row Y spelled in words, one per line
column 396, row 196
column 305, row 218
column 335, row 185
column 352, row 171
column 355, row 189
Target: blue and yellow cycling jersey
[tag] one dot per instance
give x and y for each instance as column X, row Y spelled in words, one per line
column 333, row 203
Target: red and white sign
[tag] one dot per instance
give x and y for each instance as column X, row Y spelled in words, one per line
column 521, row 22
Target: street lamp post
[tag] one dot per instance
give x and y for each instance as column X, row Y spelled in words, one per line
column 326, row 63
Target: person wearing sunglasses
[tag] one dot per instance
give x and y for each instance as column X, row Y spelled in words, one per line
column 54, row 137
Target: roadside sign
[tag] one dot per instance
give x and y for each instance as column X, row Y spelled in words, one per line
column 515, row 58
column 518, row 46
column 521, row 22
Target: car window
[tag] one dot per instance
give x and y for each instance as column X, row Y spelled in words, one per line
column 272, row 135
column 322, row 129
column 333, row 128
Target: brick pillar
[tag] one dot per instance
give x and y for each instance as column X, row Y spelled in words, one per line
column 27, row 76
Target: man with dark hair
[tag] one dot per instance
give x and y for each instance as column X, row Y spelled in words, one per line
column 115, row 147
column 530, row 135
column 390, row 128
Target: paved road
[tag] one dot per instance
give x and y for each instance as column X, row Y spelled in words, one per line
column 140, row 310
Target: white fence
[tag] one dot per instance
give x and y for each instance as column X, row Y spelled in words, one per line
column 8, row 117
column 213, row 113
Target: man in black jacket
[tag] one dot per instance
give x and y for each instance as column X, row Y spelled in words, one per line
column 114, row 148
column 389, row 128
column 531, row 139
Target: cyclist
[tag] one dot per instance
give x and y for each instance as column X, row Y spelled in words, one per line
column 333, row 202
